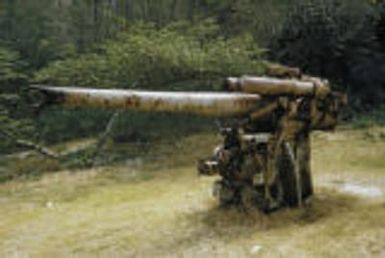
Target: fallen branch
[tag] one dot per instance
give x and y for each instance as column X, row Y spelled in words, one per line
column 104, row 136
column 31, row 145
column 38, row 148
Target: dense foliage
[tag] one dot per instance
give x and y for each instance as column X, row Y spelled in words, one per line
column 146, row 57
column 178, row 45
column 180, row 56
column 13, row 123
column 341, row 41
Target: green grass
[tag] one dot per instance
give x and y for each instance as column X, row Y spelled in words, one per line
column 364, row 120
column 158, row 207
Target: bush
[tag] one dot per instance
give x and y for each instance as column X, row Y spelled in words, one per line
column 181, row 56
column 14, row 123
column 147, row 57
column 337, row 40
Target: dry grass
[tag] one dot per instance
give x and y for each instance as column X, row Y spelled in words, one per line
column 163, row 209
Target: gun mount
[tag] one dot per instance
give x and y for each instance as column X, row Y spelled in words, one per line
column 264, row 160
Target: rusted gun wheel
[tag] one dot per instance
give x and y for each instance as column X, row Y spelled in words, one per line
column 294, row 171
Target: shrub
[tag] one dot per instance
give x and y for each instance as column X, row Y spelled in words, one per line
column 337, row 40
column 156, row 58
column 181, row 56
column 13, row 122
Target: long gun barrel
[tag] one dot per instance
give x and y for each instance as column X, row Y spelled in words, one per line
column 202, row 103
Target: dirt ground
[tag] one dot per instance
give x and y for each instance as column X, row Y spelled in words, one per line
column 134, row 210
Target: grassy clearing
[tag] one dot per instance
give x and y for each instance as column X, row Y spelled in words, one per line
column 158, row 207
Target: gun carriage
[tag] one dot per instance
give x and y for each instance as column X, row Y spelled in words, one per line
column 264, row 160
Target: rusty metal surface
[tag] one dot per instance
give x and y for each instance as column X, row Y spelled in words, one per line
column 275, row 87
column 202, row 103
column 264, row 159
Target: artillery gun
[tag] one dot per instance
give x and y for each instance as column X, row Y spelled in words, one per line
column 264, row 160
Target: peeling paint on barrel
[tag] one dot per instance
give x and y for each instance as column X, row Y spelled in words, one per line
column 202, row 103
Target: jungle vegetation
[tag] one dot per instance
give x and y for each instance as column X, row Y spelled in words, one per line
column 177, row 45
